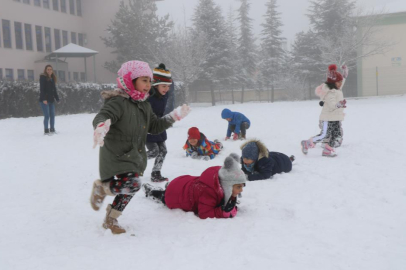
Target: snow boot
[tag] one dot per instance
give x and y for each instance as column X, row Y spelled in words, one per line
column 46, row 131
column 155, row 193
column 99, row 192
column 157, row 177
column 110, row 222
column 306, row 145
column 52, row 131
column 328, row 151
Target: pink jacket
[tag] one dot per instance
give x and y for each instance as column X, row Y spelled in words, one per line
column 201, row 194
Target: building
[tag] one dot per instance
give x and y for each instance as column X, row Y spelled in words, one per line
column 32, row 29
column 385, row 74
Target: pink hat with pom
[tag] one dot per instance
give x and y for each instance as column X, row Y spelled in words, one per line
column 128, row 72
column 333, row 75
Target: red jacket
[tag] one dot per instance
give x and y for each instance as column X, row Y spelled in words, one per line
column 201, row 194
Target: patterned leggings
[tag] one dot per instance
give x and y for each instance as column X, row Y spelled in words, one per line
column 124, row 186
column 330, row 132
column 158, row 151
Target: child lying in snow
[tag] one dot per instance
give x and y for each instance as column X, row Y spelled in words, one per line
column 198, row 146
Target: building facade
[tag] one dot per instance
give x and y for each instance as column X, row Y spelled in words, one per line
column 32, row 29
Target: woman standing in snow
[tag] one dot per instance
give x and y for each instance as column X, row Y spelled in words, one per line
column 332, row 113
column 47, row 96
column 213, row 194
column 121, row 129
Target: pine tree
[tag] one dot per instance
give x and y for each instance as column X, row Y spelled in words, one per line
column 272, row 52
column 136, row 33
column 232, row 41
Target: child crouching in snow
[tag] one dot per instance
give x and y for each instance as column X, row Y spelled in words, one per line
column 259, row 164
column 197, row 146
column 237, row 123
column 332, row 113
column 121, row 129
column 213, row 194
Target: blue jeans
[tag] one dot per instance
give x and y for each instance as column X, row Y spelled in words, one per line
column 49, row 114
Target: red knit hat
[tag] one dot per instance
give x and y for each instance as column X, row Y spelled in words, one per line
column 194, row 133
column 333, row 75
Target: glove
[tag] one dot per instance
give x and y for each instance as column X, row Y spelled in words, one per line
column 206, row 158
column 345, row 71
column 194, row 155
column 180, row 112
column 100, row 132
column 235, row 136
column 226, row 138
column 341, row 104
column 230, row 209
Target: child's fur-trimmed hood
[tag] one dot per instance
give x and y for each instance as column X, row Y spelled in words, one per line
column 114, row 93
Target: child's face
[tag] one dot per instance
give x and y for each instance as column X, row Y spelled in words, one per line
column 193, row 142
column 228, row 119
column 339, row 84
column 247, row 161
column 237, row 189
column 143, row 84
column 162, row 88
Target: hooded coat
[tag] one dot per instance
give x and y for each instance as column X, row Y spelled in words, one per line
column 331, row 97
column 124, row 144
column 267, row 164
column 202, row 194
column 236, row 119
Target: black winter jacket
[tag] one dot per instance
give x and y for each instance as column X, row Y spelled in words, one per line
column 47, row 89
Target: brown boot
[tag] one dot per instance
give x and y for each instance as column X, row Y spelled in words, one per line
column 110, row 222
column 99, row 192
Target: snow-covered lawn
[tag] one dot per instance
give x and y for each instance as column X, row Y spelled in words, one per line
column 347, row 212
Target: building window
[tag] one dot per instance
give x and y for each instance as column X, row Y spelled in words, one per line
column 69, row 75
column 9, row 74
column 18, row 32
column 72, row 7
column 80, row 39
column 6, row 34
column 61, row 76
column 30, row 75
column 38, row 35
column 76, row 76
column 27, row 2
column 48, row 41
column 1, row 73
column 28, row 36
column 57, row 35
column 45, row 3
column 79, row 7
column 63, row 6
column 37, row 3
column 65, row 38
column 55, row 5
column 73, row 37
column 82, row 77
column 21, row 74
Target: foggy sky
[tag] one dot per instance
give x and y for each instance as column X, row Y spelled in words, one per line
column 293, row 12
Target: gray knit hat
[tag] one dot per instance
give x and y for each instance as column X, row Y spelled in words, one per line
column 231, row 174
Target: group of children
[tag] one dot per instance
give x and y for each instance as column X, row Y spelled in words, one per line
column 132, row 119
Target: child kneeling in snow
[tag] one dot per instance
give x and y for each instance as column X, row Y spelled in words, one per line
column 260, row 164
column 198, row 146
column 237, row 123
column 213, row 194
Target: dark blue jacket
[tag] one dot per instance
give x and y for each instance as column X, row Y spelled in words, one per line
column 266, row 167
column 158, row 104
column 236, row 119
column 170, row 105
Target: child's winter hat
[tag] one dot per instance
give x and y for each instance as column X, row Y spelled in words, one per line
column 162, row 75
column 231, row 174
column 128, row 72
column 333, row 75
column 250, row 151
column 194, row 133
column 226, row 113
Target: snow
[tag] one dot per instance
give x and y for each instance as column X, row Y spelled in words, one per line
column 337, row 213
column 74, row 48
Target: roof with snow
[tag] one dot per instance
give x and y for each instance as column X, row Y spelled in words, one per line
column 73, row 50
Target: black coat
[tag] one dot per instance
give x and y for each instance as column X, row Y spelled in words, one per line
column 158, row 104
column 47, row 89
column 266, row 167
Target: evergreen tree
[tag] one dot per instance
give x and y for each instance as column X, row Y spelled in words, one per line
column 136, row 33
column 272, row 52
column 232, row 40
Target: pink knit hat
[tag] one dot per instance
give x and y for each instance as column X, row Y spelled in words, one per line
column 128, row 72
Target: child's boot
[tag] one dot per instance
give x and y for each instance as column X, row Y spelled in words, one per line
column 99, row 192
column 328, row 151
column 110, row 222
column 306, row 145
column 157, row 177
column 151, row 191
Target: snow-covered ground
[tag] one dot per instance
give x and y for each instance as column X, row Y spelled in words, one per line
column 347, row 212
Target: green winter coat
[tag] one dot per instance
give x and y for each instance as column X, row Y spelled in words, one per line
column 124, row 144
